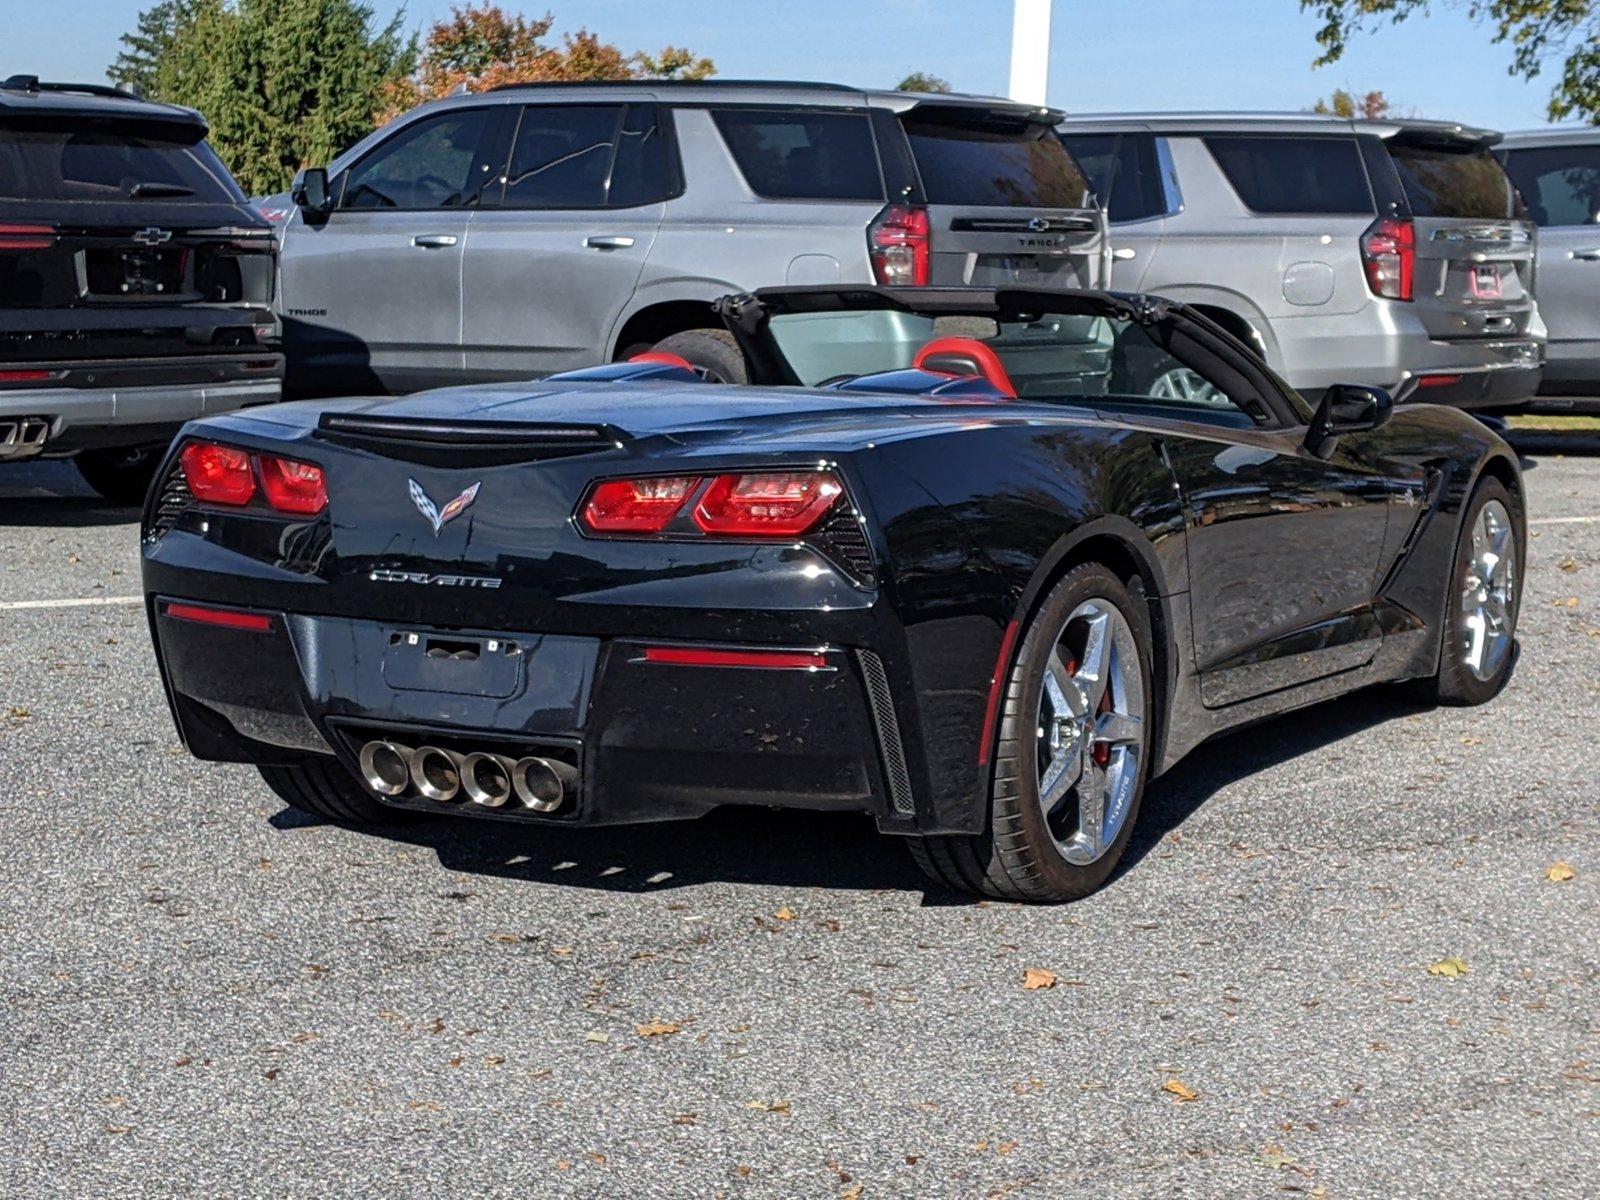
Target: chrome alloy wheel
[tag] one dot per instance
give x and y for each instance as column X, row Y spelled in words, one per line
column 1091, row 731
column 1488, row 594
column 1181, row 383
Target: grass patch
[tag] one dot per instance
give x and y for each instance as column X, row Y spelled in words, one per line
column 1555, row 422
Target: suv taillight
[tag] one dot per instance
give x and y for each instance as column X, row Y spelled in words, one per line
column 898, row 240
column 27, row 237
column 1389, row 254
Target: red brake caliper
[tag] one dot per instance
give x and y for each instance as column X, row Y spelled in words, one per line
column 1102, row 750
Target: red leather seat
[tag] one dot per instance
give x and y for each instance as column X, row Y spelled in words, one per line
column 959, row 356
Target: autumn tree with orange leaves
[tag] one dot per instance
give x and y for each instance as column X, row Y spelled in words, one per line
column 481, row 46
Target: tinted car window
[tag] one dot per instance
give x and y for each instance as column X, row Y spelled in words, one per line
column 104, row 165
column 431, row 163
column 645, row 169
column 803, row 155
column 995, row 164
column 1443, row 183
column 1294, row 174
column 562, row 156
column 1559, row 184
column 1123, row 170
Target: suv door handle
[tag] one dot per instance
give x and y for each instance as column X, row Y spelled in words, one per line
column 608, row 243
column 1124, row 253
column 434, row 241
column 1592, row 254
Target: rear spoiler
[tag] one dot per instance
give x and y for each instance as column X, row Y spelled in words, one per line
column 1451, row 138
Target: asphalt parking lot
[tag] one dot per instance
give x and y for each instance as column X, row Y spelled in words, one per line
column 206, row 992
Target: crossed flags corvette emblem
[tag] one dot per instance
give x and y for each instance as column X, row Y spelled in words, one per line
column 440, row 517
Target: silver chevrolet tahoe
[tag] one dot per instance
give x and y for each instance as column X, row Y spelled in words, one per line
column 514, row 233
column 135, row 282
column 1391, row 253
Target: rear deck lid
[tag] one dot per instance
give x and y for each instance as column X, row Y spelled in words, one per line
column 1007, row 204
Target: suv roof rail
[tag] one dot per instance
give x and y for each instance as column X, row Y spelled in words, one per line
column 677, row 83
column 33, row 86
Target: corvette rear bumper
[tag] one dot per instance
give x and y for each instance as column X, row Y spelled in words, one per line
column 656, row 730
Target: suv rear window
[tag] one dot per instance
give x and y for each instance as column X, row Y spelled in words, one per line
column 1295, row 174
column 1124, row 171
column 99, row 164
column 994, row 163
column 803, row 154
column 1559, row 184
column 1445, row 183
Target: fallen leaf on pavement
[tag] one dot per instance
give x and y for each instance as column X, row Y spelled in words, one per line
column 1449, row 968
column 1559, row 872
column 785, row 913
column 772, row 1106
column 594, row 1035
column 1035, row 978
column 1182, row 1093
column 657, row 1028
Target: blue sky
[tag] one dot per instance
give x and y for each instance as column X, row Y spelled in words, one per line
column 1106, row 54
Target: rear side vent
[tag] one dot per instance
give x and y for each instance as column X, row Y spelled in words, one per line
column 881, row 698
column 441, row 442
column 171, row 504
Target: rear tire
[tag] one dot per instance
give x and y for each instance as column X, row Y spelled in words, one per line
column 121, row 475
column 1470, row 673
column 711, row 352
column 326, row 789
column 1028, row 853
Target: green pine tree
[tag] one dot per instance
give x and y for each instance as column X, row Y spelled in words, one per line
column 283, row 83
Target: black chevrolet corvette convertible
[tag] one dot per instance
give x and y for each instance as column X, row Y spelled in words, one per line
column 979, row 563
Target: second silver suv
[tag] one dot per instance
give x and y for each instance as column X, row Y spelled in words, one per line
column 1390, row 253
column 540, row 228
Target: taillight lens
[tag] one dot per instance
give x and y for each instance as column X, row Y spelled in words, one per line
column 27, row 237
column 218, row 474
column 898, row 241
column 293, row 487
column 1389, row 254
column 768, row 504
column 637, row 505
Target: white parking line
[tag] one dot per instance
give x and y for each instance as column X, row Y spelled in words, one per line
column 81, row 602
column 1565, row 521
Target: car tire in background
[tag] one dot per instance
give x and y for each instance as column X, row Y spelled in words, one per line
column 1088, row 634
column 122, row 474
column 1478, row 636
column 711, row 352
column 326, row 789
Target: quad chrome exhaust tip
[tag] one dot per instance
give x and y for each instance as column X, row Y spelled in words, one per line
column 386, row 767
column 535, row 783
column 487, row 779
column 542, row 783
column 436, row 773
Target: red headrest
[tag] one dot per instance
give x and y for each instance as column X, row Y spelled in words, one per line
column 965, row 356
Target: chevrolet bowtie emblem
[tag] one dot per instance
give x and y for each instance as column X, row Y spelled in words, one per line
column 152, row 236
column 440, row 517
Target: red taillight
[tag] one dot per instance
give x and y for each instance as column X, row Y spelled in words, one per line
column 227, row 618
column 1433, row 381
column 293, row 487
column 218, row 474
column 770, row 660
column 898, row 241
column 1389, row 254
column 29, row 376
column 768, row 504
column 27, row 237
column 637, row 505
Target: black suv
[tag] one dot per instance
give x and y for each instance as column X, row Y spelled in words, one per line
column 135, row 281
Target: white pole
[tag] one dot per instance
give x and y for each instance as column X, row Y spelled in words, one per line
column 1030, row 50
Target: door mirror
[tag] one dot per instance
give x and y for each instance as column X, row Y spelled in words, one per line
column 1347, row 408
column 310, row 191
